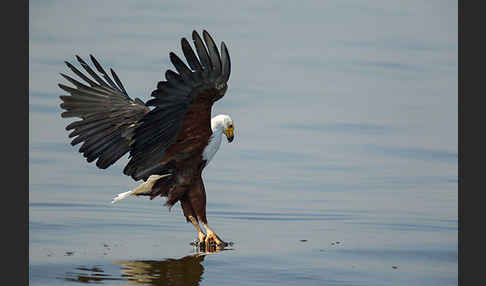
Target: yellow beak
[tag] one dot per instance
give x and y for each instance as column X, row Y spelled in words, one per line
column 230, row 133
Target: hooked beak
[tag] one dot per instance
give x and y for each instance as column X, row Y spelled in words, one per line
column 229, row 134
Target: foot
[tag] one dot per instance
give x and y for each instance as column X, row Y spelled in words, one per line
column 213, row 240
column 201, row 239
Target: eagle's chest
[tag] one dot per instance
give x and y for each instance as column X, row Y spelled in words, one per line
column 213, row 145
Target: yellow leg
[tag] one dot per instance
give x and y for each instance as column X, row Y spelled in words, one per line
column 200, row 234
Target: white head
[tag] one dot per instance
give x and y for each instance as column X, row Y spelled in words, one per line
column 224, row 123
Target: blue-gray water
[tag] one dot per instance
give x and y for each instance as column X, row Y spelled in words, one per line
column 344, row 166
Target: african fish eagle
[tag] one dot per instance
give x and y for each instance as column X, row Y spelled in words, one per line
column 170, row 144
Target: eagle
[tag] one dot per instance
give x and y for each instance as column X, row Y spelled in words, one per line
column 170, row 139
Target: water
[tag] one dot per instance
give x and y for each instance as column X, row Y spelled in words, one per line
column 344, row 166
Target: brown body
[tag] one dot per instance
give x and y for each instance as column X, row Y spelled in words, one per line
column 189, row 190
column 186, row 163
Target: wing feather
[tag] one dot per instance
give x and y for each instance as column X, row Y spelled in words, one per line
column 213, row 53
column 179, row 125
column 106, row 77
column 225, row 62
column 107, row 114
column 190, row 56
column 118, row 82
column 201, row 51
column 177, row 128
column 98, row 79
column 183, row 70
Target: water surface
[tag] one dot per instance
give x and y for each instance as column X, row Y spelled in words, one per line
column 344, row 166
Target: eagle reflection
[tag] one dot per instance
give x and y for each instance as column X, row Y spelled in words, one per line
column 187, row 270
column 184, row 271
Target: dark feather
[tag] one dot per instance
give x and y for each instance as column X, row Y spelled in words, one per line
column 175, row 80
column 225, row 62
column 118, row 82
column 174, row 132
column 75, row 82
column 86, row 94
column 213, row 53
column 105, row 75
column 183, row 70
column 100, row 81
column 88, row 128
column 110, row 156
column 80, row 74
column 190, row 56
column 106, row 112
column 201, row 51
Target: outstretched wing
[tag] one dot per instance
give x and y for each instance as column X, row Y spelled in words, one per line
column 108, row 115
column 179, row 126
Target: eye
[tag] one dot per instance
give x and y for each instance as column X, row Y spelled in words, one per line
column 230, row 126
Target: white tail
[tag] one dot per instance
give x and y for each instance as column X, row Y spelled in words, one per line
column 121, row 196
column 142, row 189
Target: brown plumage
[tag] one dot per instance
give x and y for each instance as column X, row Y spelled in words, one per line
column 166, row 143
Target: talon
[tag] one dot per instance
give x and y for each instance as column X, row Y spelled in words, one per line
column 223, row 244
column 201, row 245
column 215, row 239
column 212, row 241
column 201, row 236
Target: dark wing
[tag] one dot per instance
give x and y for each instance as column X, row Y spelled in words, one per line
column 108, row 115
column 179, row 126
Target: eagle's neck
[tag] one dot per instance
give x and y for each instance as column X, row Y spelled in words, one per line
column 214, row 140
